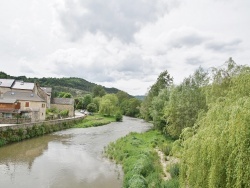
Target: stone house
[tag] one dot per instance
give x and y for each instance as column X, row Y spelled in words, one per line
column 63, row 104
column 8, row 107
column 30, row 104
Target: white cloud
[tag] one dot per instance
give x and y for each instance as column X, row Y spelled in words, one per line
column 123, row 44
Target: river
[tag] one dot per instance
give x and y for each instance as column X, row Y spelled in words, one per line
column 72, row 158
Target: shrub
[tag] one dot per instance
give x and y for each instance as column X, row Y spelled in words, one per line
column 118, row 116
column 174, row 170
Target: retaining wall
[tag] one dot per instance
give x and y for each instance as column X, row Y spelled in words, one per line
column 50, row 122
column 18, row 132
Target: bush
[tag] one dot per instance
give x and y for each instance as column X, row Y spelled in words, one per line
column 92, row 107
column 167, row 149
column 174, row 170
column 172, row 183
column 118, row 116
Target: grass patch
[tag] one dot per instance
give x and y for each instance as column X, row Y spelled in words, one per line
column 140, row 162
column 95, row 120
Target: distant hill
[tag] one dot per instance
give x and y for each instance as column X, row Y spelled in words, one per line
column 140, row 97
column 76, row 86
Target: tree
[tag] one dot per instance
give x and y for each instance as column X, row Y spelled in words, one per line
column 185, row 103
column 98, row 91
column 157, row 110
column 133, row 107
column 64, row 95
column 163, row 81
column 97, row 101
column 92, row 107
column 87, row 99
column 109, row 105
column 216, row 153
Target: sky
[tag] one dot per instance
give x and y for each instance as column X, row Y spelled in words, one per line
column 124, row 44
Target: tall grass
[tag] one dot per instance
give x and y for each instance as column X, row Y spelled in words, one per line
column 140, row 162
column 95, row 120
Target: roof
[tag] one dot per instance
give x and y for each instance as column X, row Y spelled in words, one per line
column 65, row 101
column 23, row 85
column 7, row 101
column 47, row 89
column 23, row 96
column 6, row 82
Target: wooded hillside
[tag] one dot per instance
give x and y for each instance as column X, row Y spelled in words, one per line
column 75, row 86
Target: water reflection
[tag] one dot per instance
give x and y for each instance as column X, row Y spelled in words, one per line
column 71, row 158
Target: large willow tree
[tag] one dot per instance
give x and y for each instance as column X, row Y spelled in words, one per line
column 218, row 153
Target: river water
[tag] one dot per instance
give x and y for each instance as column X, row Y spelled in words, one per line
column 71, row 158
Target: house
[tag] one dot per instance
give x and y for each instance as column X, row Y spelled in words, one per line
column 63, row 104
column 29, row 104
column 45, row 93
column 29, row 100
column 8, row 107
column 19, row 85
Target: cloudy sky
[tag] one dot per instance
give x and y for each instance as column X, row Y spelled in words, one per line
column 121, row 43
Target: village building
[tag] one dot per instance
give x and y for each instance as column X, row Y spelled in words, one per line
column 63, row 104
column 28, row 104
column 25, row 99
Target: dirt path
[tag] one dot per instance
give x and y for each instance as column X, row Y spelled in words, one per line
column 166, row 161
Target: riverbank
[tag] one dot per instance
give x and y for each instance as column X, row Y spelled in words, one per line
column 19, row 132
column 95, row 120
column 141, row 163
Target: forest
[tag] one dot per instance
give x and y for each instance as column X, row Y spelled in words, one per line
column 208, row 116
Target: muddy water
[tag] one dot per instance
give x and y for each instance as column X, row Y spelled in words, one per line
column 67, row 159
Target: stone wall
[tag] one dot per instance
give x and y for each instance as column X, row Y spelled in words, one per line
column 48, row 123
column 70, row 108
column 14, row 120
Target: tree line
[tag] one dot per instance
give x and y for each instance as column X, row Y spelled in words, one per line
column 109, row 104
column 208, row 114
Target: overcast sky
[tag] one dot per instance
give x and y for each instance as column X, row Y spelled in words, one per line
column 121, row 43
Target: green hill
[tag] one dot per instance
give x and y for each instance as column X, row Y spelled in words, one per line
column 76, row 86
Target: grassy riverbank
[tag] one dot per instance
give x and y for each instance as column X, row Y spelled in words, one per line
column 20, row 133
column 140, row 161
column 95, row 120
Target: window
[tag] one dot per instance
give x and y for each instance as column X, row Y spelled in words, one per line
column 27, row 104
column 43, row 105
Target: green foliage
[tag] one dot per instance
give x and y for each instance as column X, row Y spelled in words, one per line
column 172, row 183
column 158, row 107
column 97, row 101
column 64, row 95
column 118, row 116
column 92, row 107
column 186, row 102
column 98, row 91
column 108, row 105
column 131, row 107
column 140, row 161
column 79, row 103
column 15, row 135
column 174, row 170
column 163, row 81
column 94, row 121
column 216, row 152
column 87, row 99
column 54, row 113
column 64, row 113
